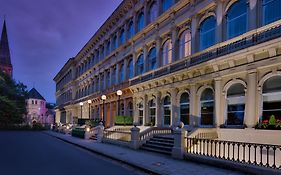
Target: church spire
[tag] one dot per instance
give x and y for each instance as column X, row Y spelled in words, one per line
column 5, row 58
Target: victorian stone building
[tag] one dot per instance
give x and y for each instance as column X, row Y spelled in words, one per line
column 207, row 63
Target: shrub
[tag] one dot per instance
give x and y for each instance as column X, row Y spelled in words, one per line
column 78, row 132
column 124, row 120
column 272, row 120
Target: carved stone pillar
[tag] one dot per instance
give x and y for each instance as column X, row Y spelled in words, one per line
column 158, row 109
column 174, row 107
column 219, row 117
column 194, row 40
column 250, row 117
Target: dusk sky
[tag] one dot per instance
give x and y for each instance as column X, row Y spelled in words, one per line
column 44, row 34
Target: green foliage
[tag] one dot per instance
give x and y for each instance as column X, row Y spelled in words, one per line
column 124, row 120
column 12, row 101
column 78, row 132
column 93, row 122
column 272, row 120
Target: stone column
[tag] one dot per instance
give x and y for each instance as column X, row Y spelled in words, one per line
column 219, row 117
column 111, row 114
column 125, row 106
column 193, row 105
column 250, row 113
column 145, row 110
column 174, row 107
column 135, row 138
column 194, row 40
column 175, row 45
column 179, row 143
column 117, row 74
column 159, row 61
column 125, row 69
column 158, row 116
column 135, row 110
column 145, row 58
column 134, row 62
column 253, row 14
column 220, row 16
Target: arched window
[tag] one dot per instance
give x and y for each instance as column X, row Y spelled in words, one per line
column 113, row 77
column 131, row 30
column 108, row 79
column 121, row 73
column 140, row 106
column 167, row 52
column 207, row 32
column 140, row 65
column 102, row 82
column 108, row 48
column 140, row 21
column 167, row 110
column 235, row 104
column 207, row 107
column 185, row 44
column 166, row 4
column 271, row 11
column 152, row 58
column 122, row 37
column 115, row 43
column 97, row 56
column 152, row 112
column 184, row 108
column 130, row 109
column 271, row 95
column 153, row 12
column 130, row 69
column 102, row 53
column 97, row 84
column 236, row 19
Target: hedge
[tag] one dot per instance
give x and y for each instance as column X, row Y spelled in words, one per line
column 78, row 132
column 124, row 120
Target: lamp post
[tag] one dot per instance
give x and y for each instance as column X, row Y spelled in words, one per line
column 103, row 97
column 81, row 104
column 119, row 93
column 89, row 102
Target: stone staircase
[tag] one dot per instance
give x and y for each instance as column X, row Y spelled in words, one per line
column 160, row 143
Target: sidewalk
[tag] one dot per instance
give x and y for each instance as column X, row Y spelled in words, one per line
column 151, row 162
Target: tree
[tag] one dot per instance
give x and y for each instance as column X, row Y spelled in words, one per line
column 12, row 101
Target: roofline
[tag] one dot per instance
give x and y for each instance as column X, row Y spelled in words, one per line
column 63, row 67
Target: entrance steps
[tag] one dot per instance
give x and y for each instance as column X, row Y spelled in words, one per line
column 160, row 144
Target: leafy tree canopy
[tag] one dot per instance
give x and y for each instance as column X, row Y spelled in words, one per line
column 12, row 101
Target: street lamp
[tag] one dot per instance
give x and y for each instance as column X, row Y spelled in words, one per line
column 81, row 104
column 103, row 97
column 89, row 102
column 119, row 93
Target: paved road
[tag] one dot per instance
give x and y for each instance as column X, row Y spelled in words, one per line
column 35, row 153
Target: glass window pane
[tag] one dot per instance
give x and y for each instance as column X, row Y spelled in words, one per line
column 207, row 32
column 271, row 11
column 166, row 4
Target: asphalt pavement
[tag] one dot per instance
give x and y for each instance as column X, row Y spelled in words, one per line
column 35, row 153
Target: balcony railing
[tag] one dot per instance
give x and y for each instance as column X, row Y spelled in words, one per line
column 246, row 153
column 249, row 39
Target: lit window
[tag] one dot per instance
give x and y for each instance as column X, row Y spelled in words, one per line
column 167, row 110
column 184, row 108
column 167, row 52
column 271, row 95
column 207, row 107
column 271, row 11
column 185, row 44
column 140, row 105
column 235, row 104
column 237, row 19
column 152, row 58
column 207, row 32
column 152, row 112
